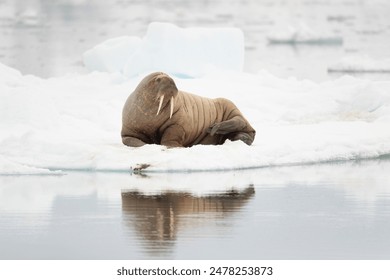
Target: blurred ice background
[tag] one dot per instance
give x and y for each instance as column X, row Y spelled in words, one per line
column 46, row 38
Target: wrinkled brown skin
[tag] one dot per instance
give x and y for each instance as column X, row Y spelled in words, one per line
column 195, row 119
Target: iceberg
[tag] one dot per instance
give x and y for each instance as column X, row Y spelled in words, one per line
column 186, row 52
column 112, row 54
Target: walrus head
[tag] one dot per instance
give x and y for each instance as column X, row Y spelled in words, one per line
column 162, row 89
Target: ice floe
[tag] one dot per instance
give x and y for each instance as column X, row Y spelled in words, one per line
column 73, row 122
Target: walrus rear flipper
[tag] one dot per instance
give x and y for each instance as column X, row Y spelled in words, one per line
column 235, row 124
column 244, row 137
column 235, row 129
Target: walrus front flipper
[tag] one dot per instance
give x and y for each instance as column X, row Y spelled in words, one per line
column 173, row 136
column 132, row 142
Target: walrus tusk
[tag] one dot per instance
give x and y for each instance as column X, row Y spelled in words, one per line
column 172, row 104
column 159, row 105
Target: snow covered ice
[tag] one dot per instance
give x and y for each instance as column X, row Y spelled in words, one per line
column 73, row 122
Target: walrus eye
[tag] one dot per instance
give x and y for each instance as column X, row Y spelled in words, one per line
column 158, row 80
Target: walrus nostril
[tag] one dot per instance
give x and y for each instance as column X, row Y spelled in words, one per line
column 160, row 104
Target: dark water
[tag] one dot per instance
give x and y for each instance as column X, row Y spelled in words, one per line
column 48, row 37
column 327, row 211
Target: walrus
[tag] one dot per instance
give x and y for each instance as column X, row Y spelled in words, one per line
column 156, row 112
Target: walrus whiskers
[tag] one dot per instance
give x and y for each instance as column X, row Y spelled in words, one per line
column 172, row 104
column 159, row 105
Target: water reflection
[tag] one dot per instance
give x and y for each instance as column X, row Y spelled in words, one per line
column 158, row 218
column 319, row 211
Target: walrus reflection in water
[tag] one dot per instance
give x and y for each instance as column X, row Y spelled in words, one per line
column 159, row 217
column 156, row 112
